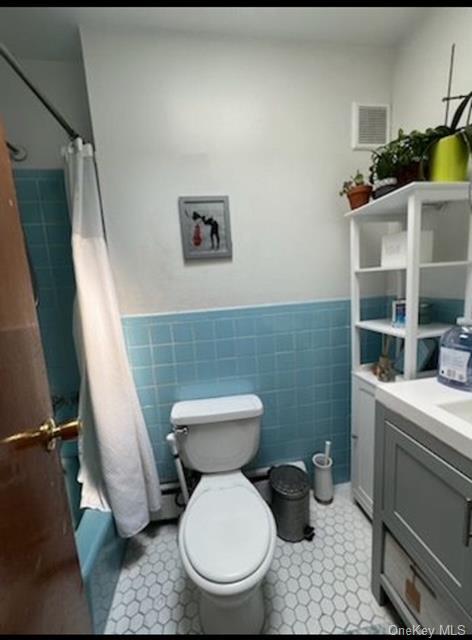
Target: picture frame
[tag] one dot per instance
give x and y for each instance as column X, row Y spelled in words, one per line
column 205, row 227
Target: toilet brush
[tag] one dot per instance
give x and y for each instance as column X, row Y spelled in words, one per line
column 327, row 451
column 323, row 475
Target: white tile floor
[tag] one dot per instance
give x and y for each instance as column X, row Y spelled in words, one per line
column 322, row 586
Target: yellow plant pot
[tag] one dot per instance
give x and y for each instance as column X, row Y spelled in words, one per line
column 449, row 160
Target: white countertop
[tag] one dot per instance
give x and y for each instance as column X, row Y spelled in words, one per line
column 419, row 400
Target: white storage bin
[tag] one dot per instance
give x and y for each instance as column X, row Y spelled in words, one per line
column 394, row 249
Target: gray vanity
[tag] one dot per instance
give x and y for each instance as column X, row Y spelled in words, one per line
column 422, row 521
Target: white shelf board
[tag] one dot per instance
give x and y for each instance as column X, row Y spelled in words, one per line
column 379, row 269
column 396, row 202
column 384, row 325
column 365, row 373
column 444, row 265
column 425, row 265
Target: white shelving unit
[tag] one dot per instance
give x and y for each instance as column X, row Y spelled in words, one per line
column 425, row 265
column 384, row 326
column 404, row 207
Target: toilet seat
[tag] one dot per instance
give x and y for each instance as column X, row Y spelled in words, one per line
column 227, row 533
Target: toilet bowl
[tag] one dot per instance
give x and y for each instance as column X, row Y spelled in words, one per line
column 227, row 540
column 227, row 532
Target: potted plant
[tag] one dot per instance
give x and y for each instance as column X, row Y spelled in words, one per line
column 382, row 171
column 452, row 146
column 438, row 154
column 401, row 161
column 357, row 191
column 410, row 152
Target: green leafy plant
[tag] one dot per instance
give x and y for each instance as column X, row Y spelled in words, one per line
column 355, row 181
column 466, row 131
column 454, row 129
column 404, row 152
column 413, row 149
column 407, row 156
column 384, row 164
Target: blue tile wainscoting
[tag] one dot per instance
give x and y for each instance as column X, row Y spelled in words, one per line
column 45, row 219
column 447, row 310
column 296, row 357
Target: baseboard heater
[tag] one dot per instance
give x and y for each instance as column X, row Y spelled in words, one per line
column 171, row 505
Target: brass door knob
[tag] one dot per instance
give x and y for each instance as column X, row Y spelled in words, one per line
column 46, row 434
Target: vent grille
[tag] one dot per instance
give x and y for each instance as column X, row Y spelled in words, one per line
column 370, row 126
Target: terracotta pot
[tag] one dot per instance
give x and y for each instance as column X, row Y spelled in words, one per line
column 359, row 196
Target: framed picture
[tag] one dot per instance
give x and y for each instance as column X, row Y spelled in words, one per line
column 205, row 227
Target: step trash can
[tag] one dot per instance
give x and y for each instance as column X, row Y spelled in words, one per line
column 290, row 488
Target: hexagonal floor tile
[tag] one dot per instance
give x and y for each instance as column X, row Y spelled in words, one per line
column 322, row 586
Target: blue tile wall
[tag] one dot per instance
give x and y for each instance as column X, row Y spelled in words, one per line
column 45, row 219
column 371, row 343
column 295, row 357
column 446, row 310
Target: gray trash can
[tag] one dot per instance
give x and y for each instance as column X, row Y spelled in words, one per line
column 290, row 490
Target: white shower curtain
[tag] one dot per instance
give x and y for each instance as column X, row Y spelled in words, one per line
column 117, row 467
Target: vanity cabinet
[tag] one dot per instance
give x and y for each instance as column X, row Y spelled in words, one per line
column 422, row 548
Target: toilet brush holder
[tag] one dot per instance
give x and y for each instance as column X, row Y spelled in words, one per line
column 323, row 478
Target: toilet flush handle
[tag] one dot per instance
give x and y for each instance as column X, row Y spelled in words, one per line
column 171, row 441
column 181, row 431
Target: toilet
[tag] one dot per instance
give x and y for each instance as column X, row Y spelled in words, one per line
column 227, row 532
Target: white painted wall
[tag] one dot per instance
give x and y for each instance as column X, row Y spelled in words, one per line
column 421, row 69
column 26, row 120
column 266, row 123
column 420, row 77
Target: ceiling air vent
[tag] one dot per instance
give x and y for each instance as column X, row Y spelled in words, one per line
column 370, row 125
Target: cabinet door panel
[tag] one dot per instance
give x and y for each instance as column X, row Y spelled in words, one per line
column 363, row 430
column 427, row 501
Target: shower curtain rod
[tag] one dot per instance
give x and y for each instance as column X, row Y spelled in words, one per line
column 10, row 59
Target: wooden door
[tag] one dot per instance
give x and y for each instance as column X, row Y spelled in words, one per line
column 41, row 589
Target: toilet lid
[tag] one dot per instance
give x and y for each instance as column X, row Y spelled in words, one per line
column 227, row 533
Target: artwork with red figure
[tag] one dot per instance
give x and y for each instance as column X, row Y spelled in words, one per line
column 214, row 231
column 205, row 227
column 197, row 236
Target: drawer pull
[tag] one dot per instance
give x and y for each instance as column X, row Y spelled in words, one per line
column 468, row 512
column 417, row 573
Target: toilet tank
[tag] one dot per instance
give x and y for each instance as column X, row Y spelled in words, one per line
column 217, row 434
